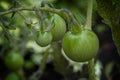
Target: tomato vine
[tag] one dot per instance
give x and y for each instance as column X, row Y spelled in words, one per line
column 42, row 35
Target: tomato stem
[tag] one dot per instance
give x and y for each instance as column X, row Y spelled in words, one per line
column 60, row 12
column 64, row 13
column 89, row 14
column 41, row 22
column 91, row 69
column 21, row 74
column 89, row 26
column 35, row 76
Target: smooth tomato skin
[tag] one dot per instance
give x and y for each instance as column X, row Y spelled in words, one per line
column 14, row 60
column 43, row 38
column 12, row 76
column 59, row 28
column 80, row 47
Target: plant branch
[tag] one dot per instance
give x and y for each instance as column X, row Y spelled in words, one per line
column 47, row 9
column 91, row 69
column 14, row 10
column 89, row 14
column 89, row 26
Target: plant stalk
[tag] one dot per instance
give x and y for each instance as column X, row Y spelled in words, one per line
column 91, row 69
column 89, row 26
column 89, row 15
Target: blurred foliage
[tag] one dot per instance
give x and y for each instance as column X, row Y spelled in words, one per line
column 109, row 10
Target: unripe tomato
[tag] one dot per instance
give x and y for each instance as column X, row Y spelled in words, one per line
column 43, row 38
column 29, row 64
column 59, row 28
column 12, row 76
column 14, row 60
column 81, row 46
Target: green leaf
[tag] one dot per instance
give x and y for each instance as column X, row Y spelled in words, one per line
column 109, row 10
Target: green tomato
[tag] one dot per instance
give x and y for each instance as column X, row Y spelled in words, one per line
column 29, row 64
column 59, row 28
column 14, row 60
column 12, row 76
column 81, row 46
column 43, row 38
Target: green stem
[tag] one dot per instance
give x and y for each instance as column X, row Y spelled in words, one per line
column 38, row 73
column 21, row 15
column 21, row 74
column 47, row 9
column 89, row 14
column 91, row 69
column 64, row 13
column 89, row 26
column 15, row 10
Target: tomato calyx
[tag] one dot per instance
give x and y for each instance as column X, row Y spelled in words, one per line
column 74, row 27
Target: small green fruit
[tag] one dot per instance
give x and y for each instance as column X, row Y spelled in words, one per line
column 81, row 46
column 14, row 60
column 43, row 38
column 12, row 76
column 59, row 28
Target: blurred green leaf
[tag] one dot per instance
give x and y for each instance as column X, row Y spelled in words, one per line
column 109, row 11
column 108, row 68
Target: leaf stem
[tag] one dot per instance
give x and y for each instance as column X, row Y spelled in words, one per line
column 91, row 69
column 89, row 14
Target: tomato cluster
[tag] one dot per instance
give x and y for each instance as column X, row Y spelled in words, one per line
column 79, row 45
column 56, row 33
